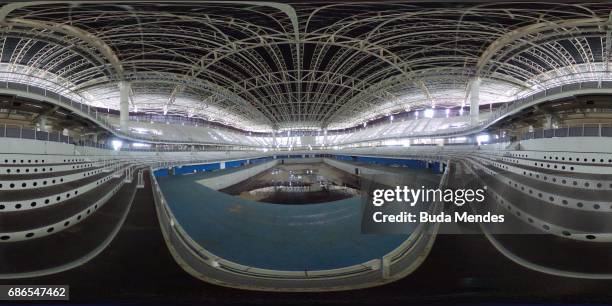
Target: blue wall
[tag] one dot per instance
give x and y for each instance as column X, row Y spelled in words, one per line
column 397, row 162
column 343, row 157
column 261, row 159
column 197, row 168
column 160, row 172
column 236, row 163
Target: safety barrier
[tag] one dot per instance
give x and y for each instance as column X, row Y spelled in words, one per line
column 532, row 98
column 82, row 109
column 582, row 130
column 508, row 109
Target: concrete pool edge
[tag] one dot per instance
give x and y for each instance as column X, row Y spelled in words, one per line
column 204, row 265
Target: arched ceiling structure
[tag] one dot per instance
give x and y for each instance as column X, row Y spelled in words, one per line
column 265, row 66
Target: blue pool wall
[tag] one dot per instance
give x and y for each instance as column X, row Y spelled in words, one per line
column 371, row 160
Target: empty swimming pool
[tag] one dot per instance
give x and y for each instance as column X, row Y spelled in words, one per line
column 268, row 236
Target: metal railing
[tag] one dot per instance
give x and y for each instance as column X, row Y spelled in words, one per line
column 102, row 119
column 577, row 130
column 534, row 98
column 506, row 109
column 33, row 133
column 91, row 113
column 24, row 132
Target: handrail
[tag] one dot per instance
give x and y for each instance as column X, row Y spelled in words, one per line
column 91, row 113
column 571, row 130
column 32, row 133
column 509, row 108
column 85, row 110
column 20, row 131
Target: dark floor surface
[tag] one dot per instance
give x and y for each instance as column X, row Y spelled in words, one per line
column 298, row 198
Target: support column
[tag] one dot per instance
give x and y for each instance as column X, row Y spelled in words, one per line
column 325, row 137
column 274, row 139
column 124, row 105
column 141, row 183
column 548, row 124
column 474, row 100
column 42, row 123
